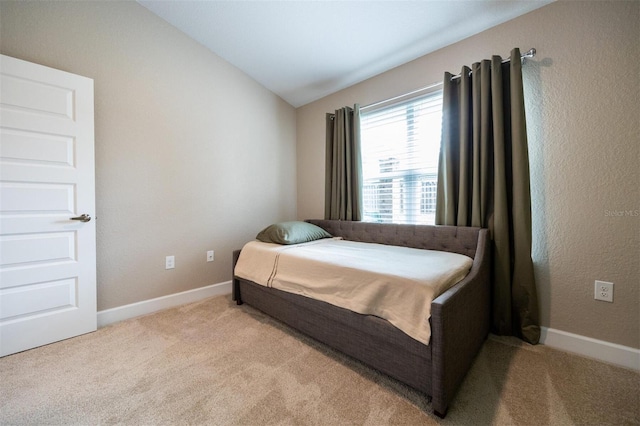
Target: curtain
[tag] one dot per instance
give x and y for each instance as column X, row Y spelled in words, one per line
column 343, row 173
column 483, row 180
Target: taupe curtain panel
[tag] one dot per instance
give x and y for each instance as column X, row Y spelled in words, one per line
column 343, row 174
column 483, row 180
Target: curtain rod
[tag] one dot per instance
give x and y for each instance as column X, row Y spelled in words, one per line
column 528, row 54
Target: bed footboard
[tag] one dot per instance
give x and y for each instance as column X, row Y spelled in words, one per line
column 459, row 325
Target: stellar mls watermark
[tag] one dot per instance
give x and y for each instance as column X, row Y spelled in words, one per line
column 622, row 213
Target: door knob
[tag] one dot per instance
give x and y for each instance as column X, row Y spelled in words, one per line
column 82, row 218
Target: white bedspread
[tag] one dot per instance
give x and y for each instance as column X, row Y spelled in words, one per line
column 391, row 282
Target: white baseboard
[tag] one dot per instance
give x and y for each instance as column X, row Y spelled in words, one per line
column 586, row 346
column 110, row 316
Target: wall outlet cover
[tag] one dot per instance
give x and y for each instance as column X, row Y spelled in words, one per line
column 603, row 291
column 170, row 262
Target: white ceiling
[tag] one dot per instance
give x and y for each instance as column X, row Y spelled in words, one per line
column 304, row 50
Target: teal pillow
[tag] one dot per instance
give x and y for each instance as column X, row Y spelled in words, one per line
column 291, row 233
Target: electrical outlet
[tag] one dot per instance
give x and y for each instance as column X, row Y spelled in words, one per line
column 169, row 262
column 603, row 291
column 210, row 256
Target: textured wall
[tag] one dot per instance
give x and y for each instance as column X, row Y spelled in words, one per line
column 583, row 90
column 172, row 124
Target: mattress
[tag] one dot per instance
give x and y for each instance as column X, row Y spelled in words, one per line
column 395, row 283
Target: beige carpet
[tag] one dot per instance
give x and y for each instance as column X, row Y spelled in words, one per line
column 214, row 363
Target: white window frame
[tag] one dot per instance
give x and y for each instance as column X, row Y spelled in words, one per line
column 397, row 189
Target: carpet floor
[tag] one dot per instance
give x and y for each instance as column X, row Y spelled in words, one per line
column 212, row 362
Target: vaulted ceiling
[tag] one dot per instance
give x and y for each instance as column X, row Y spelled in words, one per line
column 304, row 50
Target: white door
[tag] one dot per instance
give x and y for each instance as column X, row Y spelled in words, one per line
column 47, row 253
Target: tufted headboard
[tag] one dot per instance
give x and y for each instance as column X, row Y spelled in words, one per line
column 455, row 239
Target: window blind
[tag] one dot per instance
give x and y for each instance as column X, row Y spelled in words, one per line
column 400, row 150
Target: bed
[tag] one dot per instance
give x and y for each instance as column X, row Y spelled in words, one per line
column 459, row 317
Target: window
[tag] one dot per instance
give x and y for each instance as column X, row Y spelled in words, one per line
column 400, row 149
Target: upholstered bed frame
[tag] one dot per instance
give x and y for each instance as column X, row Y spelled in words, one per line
column 459, row 317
